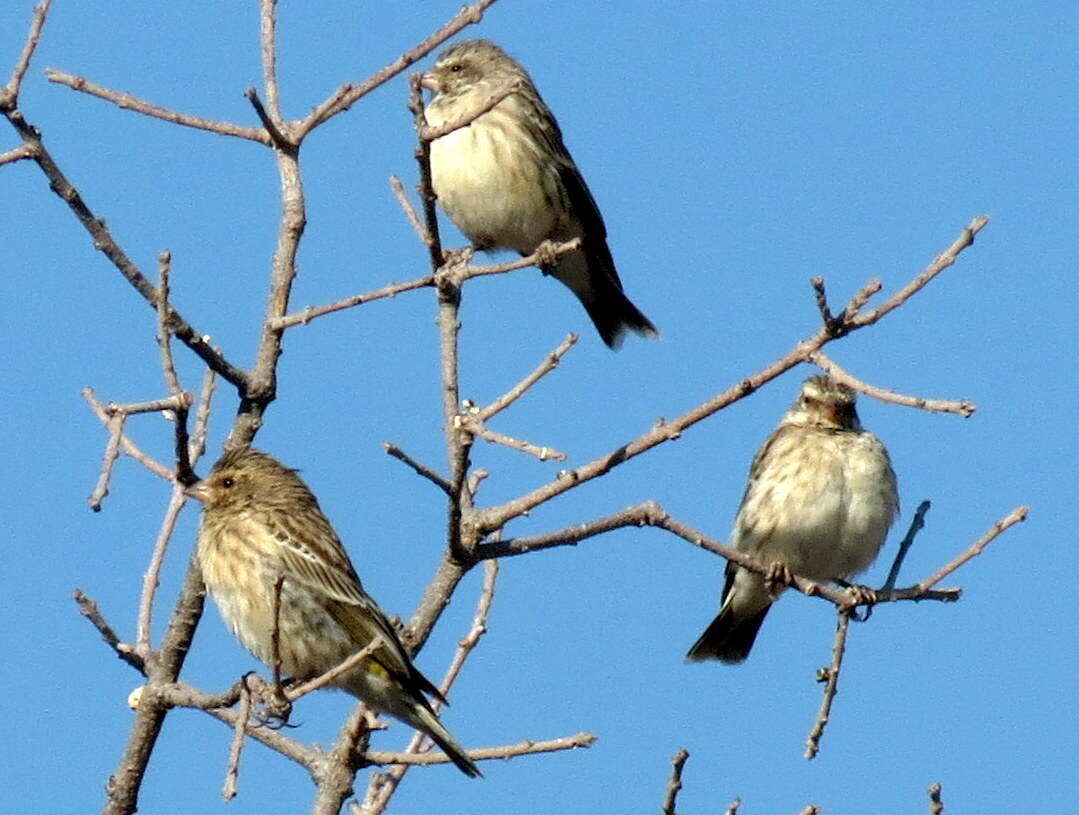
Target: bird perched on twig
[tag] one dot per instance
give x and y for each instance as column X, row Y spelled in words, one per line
column 820, row 499
column 508, row 182
column 260, row 523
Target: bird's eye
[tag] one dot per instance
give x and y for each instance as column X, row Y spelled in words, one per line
column 228, row 483
column 456, row 67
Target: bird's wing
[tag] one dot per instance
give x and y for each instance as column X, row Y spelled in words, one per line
column 541, row 125
column 316, row 559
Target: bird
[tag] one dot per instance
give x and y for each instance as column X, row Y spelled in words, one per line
column 507, row 180
column 820, row 499
column 260, row 524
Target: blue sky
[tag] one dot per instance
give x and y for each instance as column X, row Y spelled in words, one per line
column 736, row 151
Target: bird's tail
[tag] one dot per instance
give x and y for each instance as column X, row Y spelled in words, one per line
column 423, row 718
column 590, row 274
column 729, row 637
column 612, row 313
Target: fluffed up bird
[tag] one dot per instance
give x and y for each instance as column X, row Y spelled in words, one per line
column 260, row 523
column 820, row 499
column 508, row 182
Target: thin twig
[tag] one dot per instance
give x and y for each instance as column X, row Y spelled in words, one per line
column 1015, row 516
column 917, row 523
column 9, row 94
column 732, row 807
column 277, row 138
column 23, row 151
column 381, row 788
column 936, row 805
column 492, row 518
column 151, row 578
column 431, row 132
column 127, row 446
column 329, row 676
column 103, row 241
column 125, row 101
column 938, row 265
column 821, row 296
column 184, row 474
column 476, row 428
column 549, row 363
column 197, row 445
column 524, row 748
column 232, row 769
column 963, row 408
column 392, row 449
column 460, row 274
column 115, row 425
column 88, row 609
column 674, row 783
column 268, row 56
column 409, row 210
column 830, row 677
column 347, row 95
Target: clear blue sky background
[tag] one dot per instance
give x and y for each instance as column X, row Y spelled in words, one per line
column 736, row 151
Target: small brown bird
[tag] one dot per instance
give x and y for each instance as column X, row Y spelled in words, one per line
column 820, row 499
column 508, row 182
column 260, row 522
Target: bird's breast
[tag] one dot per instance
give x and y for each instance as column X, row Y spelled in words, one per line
column 495, row 182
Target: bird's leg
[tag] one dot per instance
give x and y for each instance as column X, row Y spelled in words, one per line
column 777, row 578
column 546, row 257
column 860, row 596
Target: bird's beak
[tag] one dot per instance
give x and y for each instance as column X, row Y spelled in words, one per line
column 198, row 491
column 429, row 81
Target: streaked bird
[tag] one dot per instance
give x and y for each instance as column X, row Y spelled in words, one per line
column 820, row 499
column 259, row 523
column 508, row 182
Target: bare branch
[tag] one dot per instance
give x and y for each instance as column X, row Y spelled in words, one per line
column 88, row 609
column 382, row 786
column 476, row 428
column 268, row 54
column 309, row 313
column 496, row 517
column 127, row 446
column 9, row 94
column 347, row 95
column 184, row 474
column 102, row 240
column 524, row 748
column 939, row 264
column 936, row 805
column 410, row 211
column 232, row 770
column 399, row 454
column 431, row 132
column 549, row 363
column 125, row 101
column 964, row 408
column 151, row 578
column 115, row 425
column 329, row 676
column 202, row 417
column 1015, row 516
column 916, row 525
column 23, row 151
column 674, row 783
column 830, row 677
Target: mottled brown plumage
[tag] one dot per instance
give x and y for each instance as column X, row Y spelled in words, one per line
column 261, row 522
column 820, row 499
column 508, row 182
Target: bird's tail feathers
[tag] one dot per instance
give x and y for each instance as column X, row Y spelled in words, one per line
column 423, row 718
column 729, row 638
